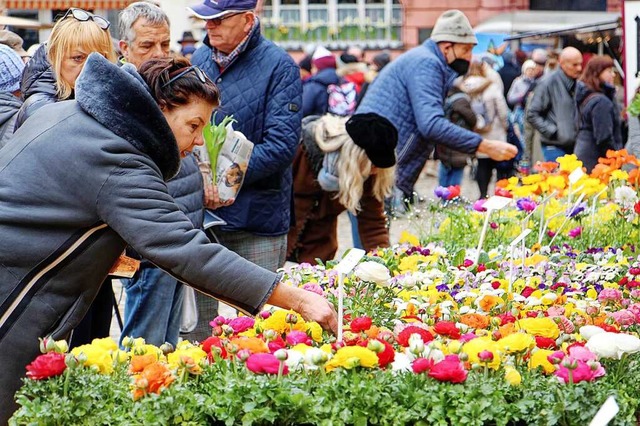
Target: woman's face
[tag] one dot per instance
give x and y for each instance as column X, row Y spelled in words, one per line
column 72, row 64
column 607, row 76
column 187, row 122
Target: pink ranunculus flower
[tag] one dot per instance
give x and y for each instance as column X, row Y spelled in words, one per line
column 585, row 371
column 624, row 317
column 241, row 324
column 313, row 288
column 610, row 295
column 265, row 364
column 575, row 232
column 580, row 353
column 449, row 370
column 296, row 337
column 479, row 205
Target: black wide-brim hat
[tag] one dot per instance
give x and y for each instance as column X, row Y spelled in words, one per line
column 376, row 135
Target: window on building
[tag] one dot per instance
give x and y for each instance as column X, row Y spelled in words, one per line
column 334, row 23
column 583, row 5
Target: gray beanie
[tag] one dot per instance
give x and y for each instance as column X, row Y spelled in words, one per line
column 453, row 26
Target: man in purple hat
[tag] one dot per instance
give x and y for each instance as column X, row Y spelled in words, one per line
column 260, row 86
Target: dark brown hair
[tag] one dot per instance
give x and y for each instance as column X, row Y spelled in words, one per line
column 157, row 73
column 591, row 74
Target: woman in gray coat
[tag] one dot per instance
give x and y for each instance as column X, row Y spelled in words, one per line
column 85, row 179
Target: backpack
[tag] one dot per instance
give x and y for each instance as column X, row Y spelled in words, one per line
column 480, row 109
column 342, row 99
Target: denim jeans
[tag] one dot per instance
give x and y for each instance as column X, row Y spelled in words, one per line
column 448, row 176
column 153, row 307
column 551, row 153
column 355, row 234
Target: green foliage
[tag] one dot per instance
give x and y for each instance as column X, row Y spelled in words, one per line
column 228, row 394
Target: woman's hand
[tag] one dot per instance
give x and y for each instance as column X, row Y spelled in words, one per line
column 311, row 306
column 211, row 198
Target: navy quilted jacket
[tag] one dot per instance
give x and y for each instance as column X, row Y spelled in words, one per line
column 263, row 92
column 410, row 92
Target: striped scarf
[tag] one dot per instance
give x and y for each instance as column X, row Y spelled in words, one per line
column 223, row 60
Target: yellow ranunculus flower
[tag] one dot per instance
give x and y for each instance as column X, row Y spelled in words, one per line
column 277, row 322
column 120, row 356
column 512, row 376
column 301, row 347
column 352, row 356
column 539, row 359
column 569, row 162
column 194, row 352
column 543, row 327
column 96, row 356
column 106, row 343
column 557, row 182
column 473, row 347
column 619, row 175
column 516, row 343
column 315, row 330
column 531, row 179
column 406, row 237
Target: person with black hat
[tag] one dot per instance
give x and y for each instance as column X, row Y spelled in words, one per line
column 410, row 93
column 332, row 173
column 188, row 44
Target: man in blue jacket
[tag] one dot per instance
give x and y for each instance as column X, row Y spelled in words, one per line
column 260, row 87
column 410, row 93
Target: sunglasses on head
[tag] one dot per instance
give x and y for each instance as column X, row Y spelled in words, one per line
column 184, row 71
column 218, row 21
column 83, row 16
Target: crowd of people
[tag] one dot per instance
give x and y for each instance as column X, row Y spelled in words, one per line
column 96, row 158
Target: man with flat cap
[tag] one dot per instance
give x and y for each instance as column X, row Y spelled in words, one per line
column 260, row 87
column 410, row 93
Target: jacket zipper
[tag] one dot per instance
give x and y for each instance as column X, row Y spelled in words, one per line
column 406, row 146
column 67, row 253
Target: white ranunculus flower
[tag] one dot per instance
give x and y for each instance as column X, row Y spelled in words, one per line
column 613, row 345
column 373, row 272
column 295, row 360
column 401, row 363
column 625, row 196
column 588, row 331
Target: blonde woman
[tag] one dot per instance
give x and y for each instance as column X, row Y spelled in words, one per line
column 332, row 174
column 51, row 74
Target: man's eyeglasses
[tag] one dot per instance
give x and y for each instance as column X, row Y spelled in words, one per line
column 83, row 16
column 184, row 71
column 218, row 21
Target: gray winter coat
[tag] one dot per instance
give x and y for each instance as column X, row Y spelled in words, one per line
column 83, row 180
column 9, row 107
column 553, row 110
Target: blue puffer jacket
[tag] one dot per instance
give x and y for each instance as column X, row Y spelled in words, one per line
column 410, row 93
column 263, row 92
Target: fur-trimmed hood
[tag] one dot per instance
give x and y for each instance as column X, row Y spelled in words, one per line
column 120, row 100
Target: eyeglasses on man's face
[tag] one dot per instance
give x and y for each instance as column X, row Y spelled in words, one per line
column 218, row 21
column 83, row 16
column 184, row 71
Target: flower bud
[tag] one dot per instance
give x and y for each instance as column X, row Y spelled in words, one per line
column 416, row 345
column 62, row 346
column 496, row 335
column 281, row 355
column 318, row 357
column 231, row 348
column 485, row 356
column 569, row 364
column 265, row 314
column 593, row 365
column 219, row 320
column 496, row 322
column 127, row 342
column 463, row 357
column 243, row 354
column 82, row 358
column 291, row 318
column 228, row 331
column 216, row 331
column 592, row 311
column 47, row 345
column 71, row 361
column 476, row 367
column 270, row 335
column 375, row 346
column 166, row 348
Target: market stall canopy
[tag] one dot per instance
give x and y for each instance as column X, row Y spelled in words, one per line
column 12, row 21
column 65, row 4
column 532, row 23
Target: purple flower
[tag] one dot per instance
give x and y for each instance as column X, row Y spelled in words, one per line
column 576, row 210
column 479, row 205
column 526, row 204
column 442, row 192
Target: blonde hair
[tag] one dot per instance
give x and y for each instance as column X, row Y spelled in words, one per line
column 354, row 168
column 69, row 34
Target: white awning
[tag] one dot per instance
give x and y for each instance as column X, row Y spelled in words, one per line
column 542, row 21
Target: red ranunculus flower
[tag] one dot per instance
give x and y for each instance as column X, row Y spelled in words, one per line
column 526, row 292
column 636, row 207
column 447, row 328
column 545, row 342
column 386, row 356
column 503, row 193
column 506, row 318
column 361, row 324
column 454, row 191
column 403, row 336
column 46, row 365
column 264, row 364
column 449, row 370
column 421, row 365
column 275, row 344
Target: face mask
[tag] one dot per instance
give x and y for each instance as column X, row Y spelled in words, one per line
column 461, row 66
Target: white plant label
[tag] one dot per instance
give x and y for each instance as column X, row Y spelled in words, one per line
column 575, row 175
column 606, row 413
column 496, row 203
column 520, row 237
column 349, row 261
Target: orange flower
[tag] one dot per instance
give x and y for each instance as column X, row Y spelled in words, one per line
column 255, row 345
column 153, row 379
column 139, row 362
column 548, row 166
column 372, row 332
column 507, row 329
column 489, row 302
column 476, row 321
